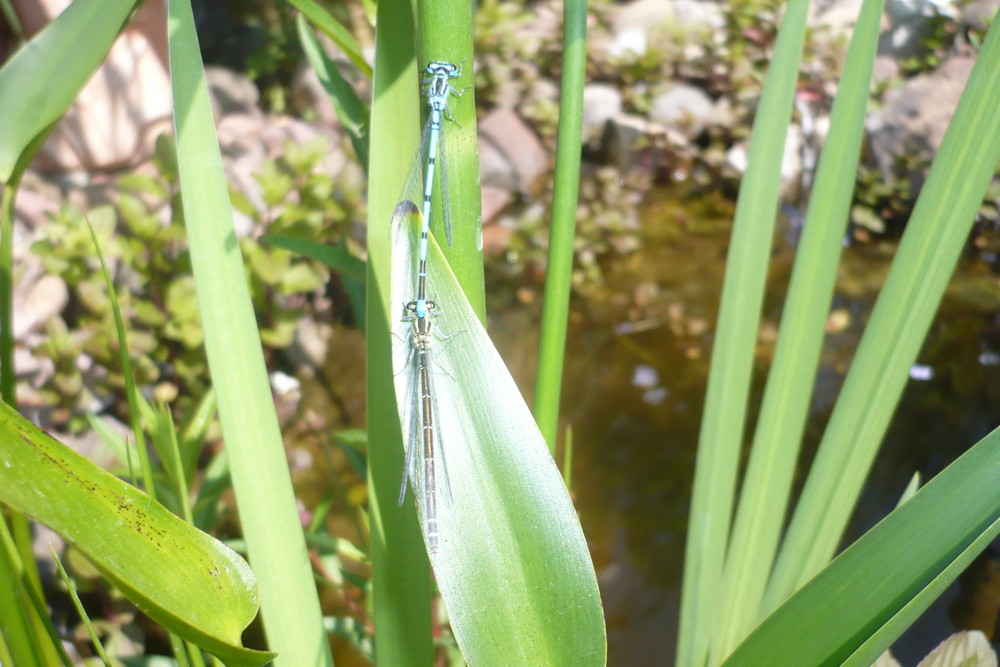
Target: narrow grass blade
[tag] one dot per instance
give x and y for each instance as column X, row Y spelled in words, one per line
column 565, row 195
column 723, row 421
column 512, row 564
column 888, row 577
column 930, row 247
column 270, row 520
column 182, row 578
column 95, row 640
column 321, row 18
column 351, row 112
column 24, row 616
column 764, row 496
column 126, row 364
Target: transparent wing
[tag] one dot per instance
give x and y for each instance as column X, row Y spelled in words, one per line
column 443, row 178
column 409, row 417
column 403, row 284
column 440, row 462
column 413, row 186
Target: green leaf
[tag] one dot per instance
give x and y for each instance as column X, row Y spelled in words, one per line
column 512, row 564
column 180, row 577
column 256, row 455
column 339, row 258
column 767, row 486
column 40, row 82
column 734, row 348
column 888, row 577
column 301, row 278
column 336, row 32
column 935, row 235
column 351, row 112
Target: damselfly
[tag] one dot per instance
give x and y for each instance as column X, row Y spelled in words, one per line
column 420, row 404
column 438, row 89
column 423, row 397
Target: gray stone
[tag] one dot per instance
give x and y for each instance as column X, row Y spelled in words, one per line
column 682, row 106
column 510, row 155
column 913, row 119
column 624, row 135
column 231, row 91
column 737, row 159
column 634, row 23
column 838, row 16
column 36, row 302
column 601, row 103
column 978, row 14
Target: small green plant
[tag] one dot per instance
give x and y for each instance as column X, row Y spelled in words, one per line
column 157, row 291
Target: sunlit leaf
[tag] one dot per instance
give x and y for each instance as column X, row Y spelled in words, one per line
column 512, row 564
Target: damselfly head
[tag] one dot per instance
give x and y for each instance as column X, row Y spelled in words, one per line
column 439, row 68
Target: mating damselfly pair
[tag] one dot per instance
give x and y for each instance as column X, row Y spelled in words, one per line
column 501, row 532
column 423, row 474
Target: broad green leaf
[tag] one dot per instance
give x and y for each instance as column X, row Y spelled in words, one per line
column 180, row 577
column 40, row 82
column 401, row 591
column 887, row 578
column 512, row 563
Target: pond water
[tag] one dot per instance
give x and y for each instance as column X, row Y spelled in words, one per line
column 636, row 370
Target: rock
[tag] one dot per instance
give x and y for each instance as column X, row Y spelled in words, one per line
column 232, row 92
column 36, row 370
column 510, row 155
column 496, row 239
column 117, row 116
column 683, row 107
column 697, row 14
column 33, row 207
column 910, row 23
column 914, row 118
column 624, row 135
column 36, row 302
column 901, row 11
column 978, row 14
column 311, row 343
column 885, row 70
column 838, row 16
column 494, row 200
column 634, row 24
column 905, row 39
column 308, row 95
column 601, row 103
